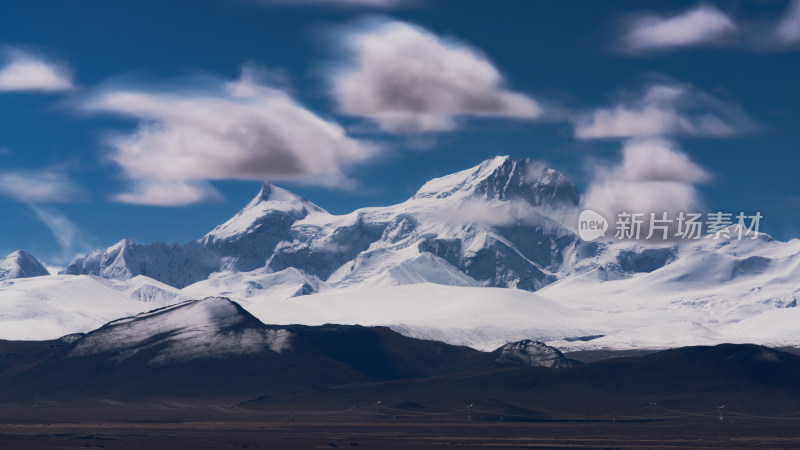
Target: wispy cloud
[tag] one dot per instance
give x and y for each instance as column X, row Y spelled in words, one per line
column 25, row 71
column 40, row 186
column 167, row 193
column 665, row 109
column 702, row 25
column 488, row 212
column 71, row 239
column 408, row 80
column 244, row 129
column 787, row 31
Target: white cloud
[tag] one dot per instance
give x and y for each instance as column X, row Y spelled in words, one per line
column 40, row 186
column 657, row 160
column 492, row 212
column 788, row 28
column 167, row 193
column 701, row 25
column 408, row 80
column 24, row 71
column 376, row 4
column 653, row 177
column 71, row 238
column 665, row 109
column 245, row 130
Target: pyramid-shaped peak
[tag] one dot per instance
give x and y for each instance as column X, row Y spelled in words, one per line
column 21, row 255
column 274, row 198
column 126, row 242
column 505, row 178
column 278, row 198
column 270, row 201
column 21, row 264
column 264, row 192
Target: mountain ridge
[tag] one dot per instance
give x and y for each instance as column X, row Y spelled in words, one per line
column 213, row 347
column 134, row 359
column 278, row 230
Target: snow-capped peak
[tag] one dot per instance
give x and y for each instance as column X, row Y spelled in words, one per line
column 275, row 198
column 504, row 178
column 21, row 264
column 270, row 200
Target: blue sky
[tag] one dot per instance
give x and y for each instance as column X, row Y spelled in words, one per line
column 156, row 120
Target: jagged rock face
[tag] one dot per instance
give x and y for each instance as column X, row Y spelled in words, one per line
column 175, row 265
column 320, row 251
column 531, row 353
column 646, row 260
column 21, row 264
column 504, row 178
column 530, row 181
column 499, row 224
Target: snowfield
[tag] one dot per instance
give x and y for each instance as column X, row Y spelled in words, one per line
column 573, row 316
column 48, row 307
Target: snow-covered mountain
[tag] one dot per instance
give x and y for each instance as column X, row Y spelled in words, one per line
column 439, row 266
column 213, row 348
column 197, row 329
column 21, row 264
column 497, row 224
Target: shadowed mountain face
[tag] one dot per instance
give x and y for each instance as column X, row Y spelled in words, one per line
column 213, row 349
column 530, row 353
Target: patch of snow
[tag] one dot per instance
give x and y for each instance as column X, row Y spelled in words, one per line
column 260, row 283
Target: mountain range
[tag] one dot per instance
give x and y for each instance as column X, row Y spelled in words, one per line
column 214, row 347
column 480, row 257
column 498, row 224
column 214, row 350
